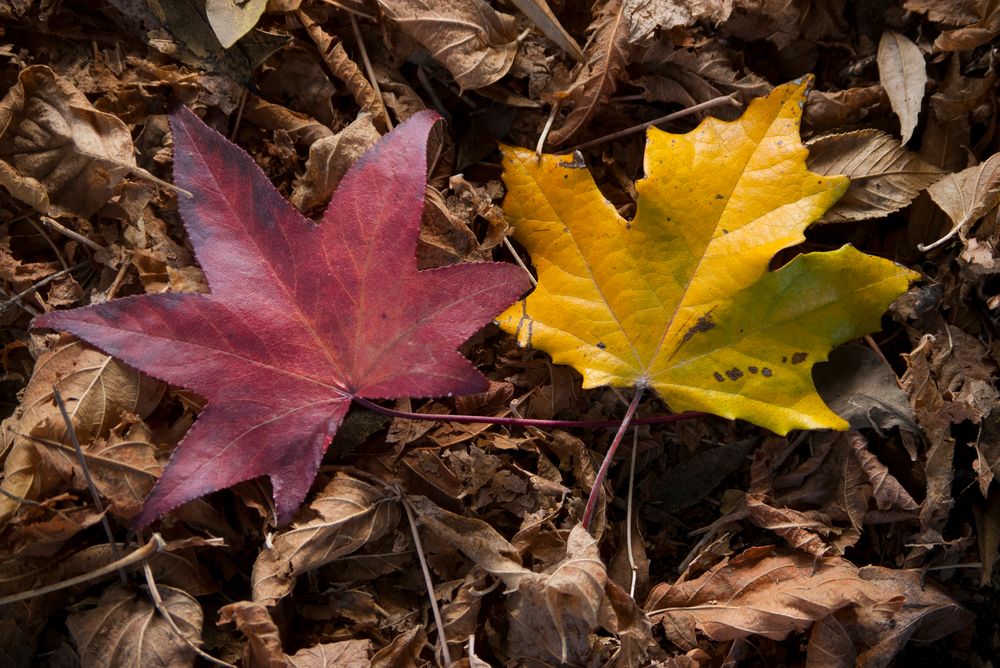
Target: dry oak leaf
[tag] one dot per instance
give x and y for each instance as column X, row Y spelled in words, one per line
column 680, row 299
column 300, row 317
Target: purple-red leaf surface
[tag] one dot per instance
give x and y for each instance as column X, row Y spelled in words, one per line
column 300, row 317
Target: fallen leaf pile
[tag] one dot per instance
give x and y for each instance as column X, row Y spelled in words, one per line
column 822, row 512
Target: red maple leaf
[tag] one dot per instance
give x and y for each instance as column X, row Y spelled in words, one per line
column 300, row 318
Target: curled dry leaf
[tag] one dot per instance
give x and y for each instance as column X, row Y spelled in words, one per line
column 126, row 630
column 885, row 177
column 345, row 515
column 57, row 152
column 254, row 621
column 345, row 69
column 903, row 74
column 774, row 592
column 596, row 79
column 474, row 42
column 329, row 159
column 886, row 489
column 97, row 390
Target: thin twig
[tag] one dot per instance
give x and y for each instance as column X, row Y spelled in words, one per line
column 520, row 422
column 52, row 244
column 628, row 513
column 708, row 104
column 350, row 10
column 154, row 545
column 545, row 130
column 368, row 67
column 239, row 114
column 518, row 260
column 94, row 495
column 42, row 283
column 154, row 595
column 445, row 655
column 602, row 473
column 72, row 234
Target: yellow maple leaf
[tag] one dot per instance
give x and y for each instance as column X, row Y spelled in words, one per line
column 680, row 299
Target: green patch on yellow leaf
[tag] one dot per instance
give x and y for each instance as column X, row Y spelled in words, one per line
column 680, row 299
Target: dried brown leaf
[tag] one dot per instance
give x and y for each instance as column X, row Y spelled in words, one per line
column 552, row 614
column 773, row 592
column 345, row 515
column 263, row 646
column 647, row 16
column 403, row 651
column 123, row 466
column 126, row 630
column 809, row 531
column 988, row 534
column 343, row 654
column 473, row 41
column 903, row 74
column 97, row 390
column 861, row 388
column 830, row 645
column 57, row 152
column 833, row 110
column 968, row 195
column 885, row 177
column 596, row 80
column 341, row 66
column 984, row 29
column 474, row 538
column 329, row 159
column 889, row 494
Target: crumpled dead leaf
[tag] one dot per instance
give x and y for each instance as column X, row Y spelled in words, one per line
column 773, row 592
column 474, row 42
column 647, row 16
column 254, row 621
column 57, row 152
column 126, row 630
column 345, row 515
column 967, row 196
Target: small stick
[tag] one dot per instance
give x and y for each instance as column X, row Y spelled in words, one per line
column 708, row 104
column 520, row 422
column 518, row 260
column 353, row 12
column 50, row 242
column 368, row 67
column 239, row 114
column 602, row 473
column 445, row 655
column 90, row 481
column 628, row 514
column 548, row 126
column 154, row 545
column 72, row 234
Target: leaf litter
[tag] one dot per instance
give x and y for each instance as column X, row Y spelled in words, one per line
column 903, row 510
